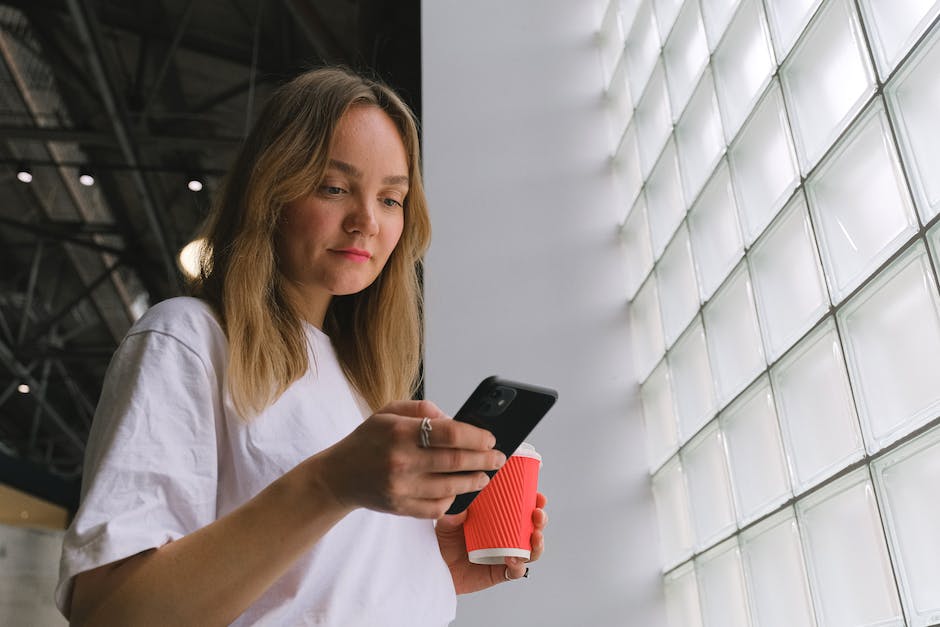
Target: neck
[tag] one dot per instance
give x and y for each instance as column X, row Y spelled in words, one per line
column 311, row 305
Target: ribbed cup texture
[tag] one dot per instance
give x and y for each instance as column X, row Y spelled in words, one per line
column 501, row 515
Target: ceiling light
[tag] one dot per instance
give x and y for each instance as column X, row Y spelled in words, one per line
column 22, row 388
column 24, row 174
column 85, row 178
column 195, row 184
column 189, row 257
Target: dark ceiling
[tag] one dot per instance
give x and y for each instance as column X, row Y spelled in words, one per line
column 144, row 96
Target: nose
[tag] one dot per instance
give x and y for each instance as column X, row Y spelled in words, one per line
column 361, row 219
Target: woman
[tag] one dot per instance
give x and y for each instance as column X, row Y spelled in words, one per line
column 249, row 461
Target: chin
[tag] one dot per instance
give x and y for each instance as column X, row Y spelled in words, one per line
column 349, row 290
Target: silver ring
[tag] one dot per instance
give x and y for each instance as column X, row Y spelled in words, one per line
column 425, row 433
column 525, row 575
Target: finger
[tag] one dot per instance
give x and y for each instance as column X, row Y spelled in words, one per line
column 515, row 568
column 449, row 485
column 539, row 518
column 454, row 434
column 432, row 509
column 414, row 409
column 538, row 546
column 451, row 522
column 461, row 460
column 540, row 501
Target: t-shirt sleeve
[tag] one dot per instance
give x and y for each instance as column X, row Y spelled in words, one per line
column 150, row 472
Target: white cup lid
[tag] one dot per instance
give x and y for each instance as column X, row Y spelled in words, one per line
column 527, row 450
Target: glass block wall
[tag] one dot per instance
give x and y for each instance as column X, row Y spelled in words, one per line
column 780, row 168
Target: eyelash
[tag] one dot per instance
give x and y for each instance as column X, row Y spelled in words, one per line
column 334, row 190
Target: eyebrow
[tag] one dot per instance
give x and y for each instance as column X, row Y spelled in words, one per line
column 351, row 170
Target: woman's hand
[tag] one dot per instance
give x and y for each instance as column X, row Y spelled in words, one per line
column 381, row 465
column 469, row 577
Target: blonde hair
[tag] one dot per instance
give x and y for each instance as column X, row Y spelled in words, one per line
column 377, row 332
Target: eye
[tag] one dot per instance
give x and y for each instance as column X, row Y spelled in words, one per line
column 391, row 202
column 332, row 190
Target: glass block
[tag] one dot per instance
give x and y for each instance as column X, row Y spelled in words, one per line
column 682, row 602
column 642, row 47
column 742, row 63
column 709, row 487
column 685, row 55
column 628, row 11
column 933, row 236
column 638, row 252
column 699, row 137
column 914, row 99
column 891, row 331
column 817, row 414
column 893, row 28
column 846, row 555
column 619, row 104
column 627, row 167
column 692, row 381
column 672, row 513
column 775, row 573
column 646, row 329
column 717, row 14
column 666, row 12
column 653, row 119
column 826, row 80
column 722, row 593
column 659, row 416
column 763, row 165
column 906, row 481
column 716, row 236
column 860, row 203
column 678, row 291
column 788, row 280
column 610, row 39
column 787, row 20
column 664, row 199
column 734, row 343
column 759, row 478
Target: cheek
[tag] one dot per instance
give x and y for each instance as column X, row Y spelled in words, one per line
column 394, row 235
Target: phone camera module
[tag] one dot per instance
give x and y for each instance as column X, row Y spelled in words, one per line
column 496, row 402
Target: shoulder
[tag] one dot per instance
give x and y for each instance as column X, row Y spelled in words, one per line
column 189, row 321
column 180, row 316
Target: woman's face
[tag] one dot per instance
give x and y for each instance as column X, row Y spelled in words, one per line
column 336, row 240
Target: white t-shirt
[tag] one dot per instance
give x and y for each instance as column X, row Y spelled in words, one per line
column 168, row 454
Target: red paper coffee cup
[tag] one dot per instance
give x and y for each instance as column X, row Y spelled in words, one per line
column 499, row 520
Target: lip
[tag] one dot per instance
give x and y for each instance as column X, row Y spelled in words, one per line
column 354, row 254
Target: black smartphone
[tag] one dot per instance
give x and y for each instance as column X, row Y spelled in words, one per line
column 507, row 409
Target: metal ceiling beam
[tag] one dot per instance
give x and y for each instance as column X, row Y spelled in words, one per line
column 207, row 46
column 51, row 232
column 98, row 138
column 89, row 32
column 21, row 371
column 215, row 100
column 66, row 309
column 155, row 88
column 308, row 18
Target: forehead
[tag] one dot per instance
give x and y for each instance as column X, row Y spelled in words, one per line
column 367, row 128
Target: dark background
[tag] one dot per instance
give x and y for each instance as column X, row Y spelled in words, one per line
column 144, row 96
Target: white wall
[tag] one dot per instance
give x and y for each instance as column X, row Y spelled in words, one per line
column 29, row 570
column 525, row 279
